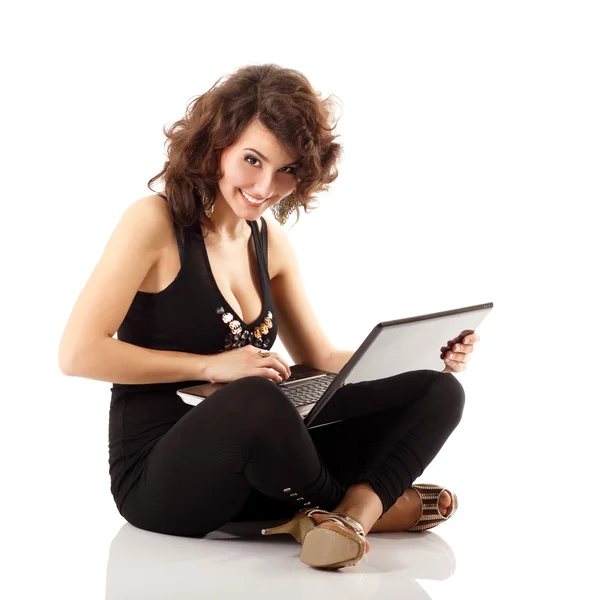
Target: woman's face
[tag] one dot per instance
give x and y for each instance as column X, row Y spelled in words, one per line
column 267, row 178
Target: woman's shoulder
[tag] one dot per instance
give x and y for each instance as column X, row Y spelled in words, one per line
column 154, row 208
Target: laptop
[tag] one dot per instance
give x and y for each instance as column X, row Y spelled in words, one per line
column 391, row 348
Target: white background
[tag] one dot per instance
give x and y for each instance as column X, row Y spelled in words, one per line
column 469, row 174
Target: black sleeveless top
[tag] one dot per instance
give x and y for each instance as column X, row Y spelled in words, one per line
column 189, row 315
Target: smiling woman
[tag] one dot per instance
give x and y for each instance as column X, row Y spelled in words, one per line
column 197, row 285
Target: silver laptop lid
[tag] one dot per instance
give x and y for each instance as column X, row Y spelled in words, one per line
column 411, row 344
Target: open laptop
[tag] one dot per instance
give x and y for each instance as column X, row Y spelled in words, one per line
column 392, row 347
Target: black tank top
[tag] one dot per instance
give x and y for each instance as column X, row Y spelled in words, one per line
column 189, row 315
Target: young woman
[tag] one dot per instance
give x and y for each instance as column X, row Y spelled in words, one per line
column 197, row 288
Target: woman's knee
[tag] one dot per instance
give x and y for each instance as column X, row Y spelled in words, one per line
column 450, row 395
column 253, row 384
column 257, row 401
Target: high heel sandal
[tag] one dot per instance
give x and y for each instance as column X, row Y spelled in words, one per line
column 299, row 526
column 338, row 541
column 430, row 513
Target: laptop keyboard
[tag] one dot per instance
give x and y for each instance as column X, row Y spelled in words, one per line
column 309, row 391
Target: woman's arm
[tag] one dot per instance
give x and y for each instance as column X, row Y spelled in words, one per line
column 297, row 325
column 335, row 362
column 88, row 347
column 120, row 362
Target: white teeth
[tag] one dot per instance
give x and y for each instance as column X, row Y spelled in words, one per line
column 251, row 199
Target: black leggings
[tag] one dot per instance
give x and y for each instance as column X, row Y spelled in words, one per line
column 244, row 453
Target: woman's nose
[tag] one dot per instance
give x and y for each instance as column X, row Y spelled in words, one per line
column 264, row 186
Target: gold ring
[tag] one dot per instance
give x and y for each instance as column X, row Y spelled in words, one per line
column 264, row 353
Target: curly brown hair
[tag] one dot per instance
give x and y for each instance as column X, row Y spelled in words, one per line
column 284, row 102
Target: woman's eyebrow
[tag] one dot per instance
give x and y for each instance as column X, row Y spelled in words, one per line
column 265, row 158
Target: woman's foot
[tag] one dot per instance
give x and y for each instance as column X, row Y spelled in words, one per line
column 402, row 515
column 406, row 512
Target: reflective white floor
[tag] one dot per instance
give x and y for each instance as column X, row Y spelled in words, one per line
column 267, row 567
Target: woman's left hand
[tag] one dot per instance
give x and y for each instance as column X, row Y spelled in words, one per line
column 458, row 353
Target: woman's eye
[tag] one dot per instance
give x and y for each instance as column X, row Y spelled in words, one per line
column 293, row 169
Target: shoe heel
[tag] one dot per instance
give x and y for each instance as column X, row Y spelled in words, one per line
column 298, row 527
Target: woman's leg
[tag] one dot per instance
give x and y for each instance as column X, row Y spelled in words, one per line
column 379, row 456
column 246, row 436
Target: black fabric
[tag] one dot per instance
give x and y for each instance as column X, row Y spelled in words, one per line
column 186, row 317
column 245, row 454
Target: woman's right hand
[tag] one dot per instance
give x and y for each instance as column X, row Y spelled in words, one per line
column 244, row 362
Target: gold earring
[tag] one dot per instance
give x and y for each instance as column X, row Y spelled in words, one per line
column 205, row 202
column 284, row 207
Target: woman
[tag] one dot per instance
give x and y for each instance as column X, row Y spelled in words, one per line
column 199, row 287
